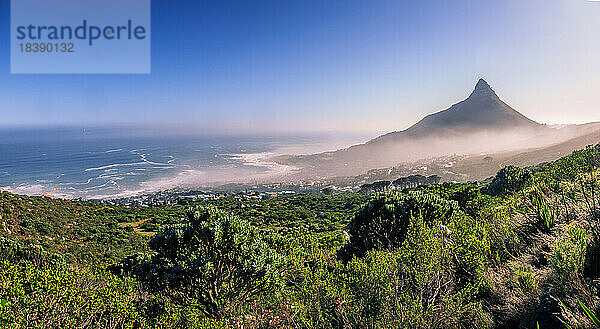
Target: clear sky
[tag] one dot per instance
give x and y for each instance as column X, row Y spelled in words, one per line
column 373, row 65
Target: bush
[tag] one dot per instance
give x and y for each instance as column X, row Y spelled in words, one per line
column 465, row 194
column 568, row 253
column 526, row 280
column 543, row 211
column 588, row 185
column 148, row 226
column 508, row 180
column 54, row 296
column 383, row 222
column 15, row 251
column 418, row 285
column 214, row 259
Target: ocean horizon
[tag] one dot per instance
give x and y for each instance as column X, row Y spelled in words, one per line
column 105, row 163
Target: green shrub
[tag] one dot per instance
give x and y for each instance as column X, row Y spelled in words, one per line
column 37, row 226
column 588, row 185
column 568, row 253
column 465, row 194
column 149, row 226
column 526, row 281
column 421, row 284
column 508, row 180
column 52, row 296
column 15, row 251
column 383, row 222
column 543, row 211
column 213, row 260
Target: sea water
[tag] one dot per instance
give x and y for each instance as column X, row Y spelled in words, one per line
column 107, row 163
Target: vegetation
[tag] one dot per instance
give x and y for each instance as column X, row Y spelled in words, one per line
column 212, row 260
column 520, row 249
column 509, row 179
column 383, row 223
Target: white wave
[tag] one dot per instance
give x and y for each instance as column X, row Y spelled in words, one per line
column 263, row 160
column 193, row 178
column 86, row 183
column 115, row 165
column 143, row 156
column 111, row 177
column 107, row 184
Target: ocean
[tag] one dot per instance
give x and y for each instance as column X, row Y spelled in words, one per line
column 106, row 163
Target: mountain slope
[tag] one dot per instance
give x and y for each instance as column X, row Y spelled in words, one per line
column 483, row 110
column 479, row 167
column 482, row 123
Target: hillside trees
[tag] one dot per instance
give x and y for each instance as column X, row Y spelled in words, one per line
column 416, row 180
column 379, row 186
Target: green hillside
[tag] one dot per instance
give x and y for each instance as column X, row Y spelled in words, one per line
column 519, row 250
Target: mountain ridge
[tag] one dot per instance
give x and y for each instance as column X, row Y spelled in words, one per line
column 481, row 123
column 482, row 110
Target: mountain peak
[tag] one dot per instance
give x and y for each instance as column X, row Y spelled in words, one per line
column 482, row 110
column 482, row 88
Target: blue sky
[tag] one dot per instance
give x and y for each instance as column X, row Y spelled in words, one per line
column 373, row 65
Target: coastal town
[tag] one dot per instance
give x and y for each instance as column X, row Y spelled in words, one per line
column 404, row 175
